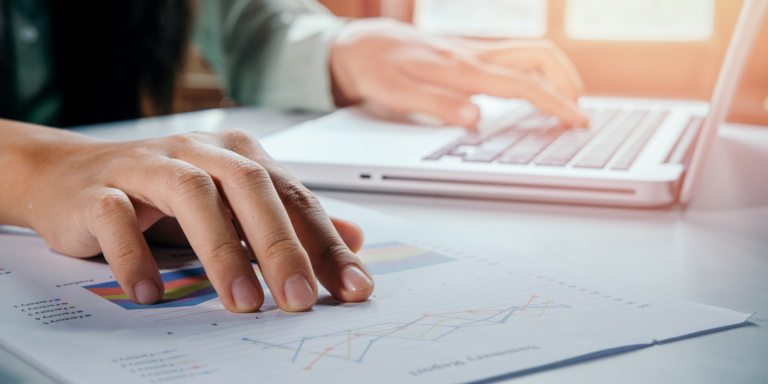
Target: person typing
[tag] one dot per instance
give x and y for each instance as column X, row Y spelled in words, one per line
column 73, row 63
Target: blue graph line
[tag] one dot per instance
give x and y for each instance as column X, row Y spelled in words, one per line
column 298, row 349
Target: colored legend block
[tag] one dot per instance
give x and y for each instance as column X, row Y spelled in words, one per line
column 394, row 256
column 184, row 288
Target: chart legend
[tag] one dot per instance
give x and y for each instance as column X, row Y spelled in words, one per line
column 394, row 256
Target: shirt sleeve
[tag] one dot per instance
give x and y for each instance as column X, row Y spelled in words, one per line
column 273, row 53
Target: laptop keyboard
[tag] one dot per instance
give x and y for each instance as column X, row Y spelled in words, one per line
column 541, row 140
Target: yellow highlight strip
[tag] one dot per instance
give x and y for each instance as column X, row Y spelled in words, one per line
column 177, row 293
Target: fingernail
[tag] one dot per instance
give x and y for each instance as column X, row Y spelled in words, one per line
column 245, row 294
column 298, row 292
column 146, row 292
column 468, row 113
column 354, row 279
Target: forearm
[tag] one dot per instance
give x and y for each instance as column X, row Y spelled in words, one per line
column 24, row 151
column 270, row 52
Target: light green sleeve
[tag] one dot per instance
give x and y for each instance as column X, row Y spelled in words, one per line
column 273, row 53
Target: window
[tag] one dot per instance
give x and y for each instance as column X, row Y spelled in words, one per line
column 649, row 20
column 483, row 18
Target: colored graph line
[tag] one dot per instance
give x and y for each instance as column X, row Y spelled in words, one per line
column 394, row 256
column 353, row 344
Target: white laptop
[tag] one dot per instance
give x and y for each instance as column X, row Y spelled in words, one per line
column 635, row 152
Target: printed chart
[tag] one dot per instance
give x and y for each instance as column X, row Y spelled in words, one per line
column 353, row 344
column 184, row 288
column 191, row 287
column 395, row 256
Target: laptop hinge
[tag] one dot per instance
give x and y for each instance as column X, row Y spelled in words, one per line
column 682, row 152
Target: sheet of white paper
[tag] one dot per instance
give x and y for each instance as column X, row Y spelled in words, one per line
column 444, row 310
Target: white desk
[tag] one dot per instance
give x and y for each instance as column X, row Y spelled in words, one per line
column 714, row 252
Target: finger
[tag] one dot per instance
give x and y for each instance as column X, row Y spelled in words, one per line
column 350, row 233
column 112, row 220
column 473, row 77
column 547, row 86
column 189, row 194
column 542, row 56
column 247, row 188
column 339, row 270
column 419, row 101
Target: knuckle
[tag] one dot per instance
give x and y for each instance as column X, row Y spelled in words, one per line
column 186, row 180
column 126, row 255
column 110, row 204
column 332, row 251
column 238, row 140
column 297, row 198
column 281, row 246
column 225, row 253
column 236, row 134
column 244, row 174
column 183, row 141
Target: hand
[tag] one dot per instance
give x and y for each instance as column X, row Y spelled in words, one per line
column 392, row 66
column 87, row 197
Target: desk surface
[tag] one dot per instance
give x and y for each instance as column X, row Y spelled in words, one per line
column 713, row 252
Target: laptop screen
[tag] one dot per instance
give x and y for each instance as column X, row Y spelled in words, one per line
column 733, row 66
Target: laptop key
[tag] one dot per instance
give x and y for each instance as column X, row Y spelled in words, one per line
column 527, row 149
column 487, row 152
column 602, row 153
column 573, row 140
column 534, row 121
column 628, row 157
column 470, row 139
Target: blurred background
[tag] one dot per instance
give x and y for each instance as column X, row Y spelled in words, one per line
column 650, row 48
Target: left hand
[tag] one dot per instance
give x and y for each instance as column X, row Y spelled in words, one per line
column 392, row 66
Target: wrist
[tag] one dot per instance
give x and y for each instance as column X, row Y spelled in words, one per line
column 24, row 152
column 341, row 86
column 15, row 174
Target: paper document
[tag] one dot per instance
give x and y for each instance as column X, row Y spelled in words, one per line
column 445, row 310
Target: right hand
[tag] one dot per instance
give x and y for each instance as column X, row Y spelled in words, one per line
column 393, row 67
column 85, row 197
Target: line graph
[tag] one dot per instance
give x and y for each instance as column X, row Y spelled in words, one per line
column 354, row 344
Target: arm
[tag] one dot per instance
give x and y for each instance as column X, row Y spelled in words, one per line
column 292, row 54
column 86, row 197
column 272, row 53
column 395, row 68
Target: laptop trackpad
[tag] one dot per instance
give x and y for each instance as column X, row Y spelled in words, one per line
column 351, row 136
